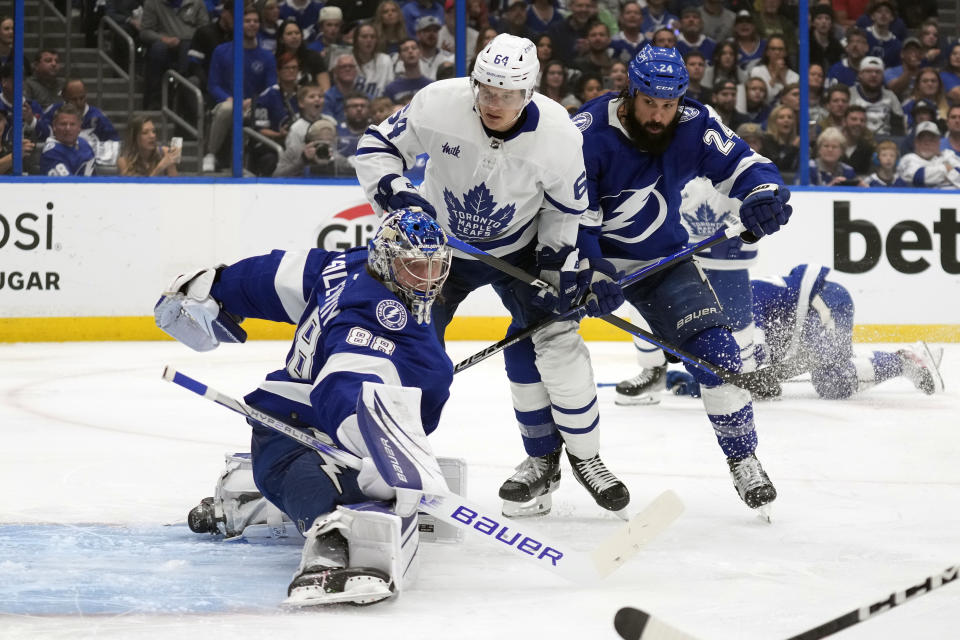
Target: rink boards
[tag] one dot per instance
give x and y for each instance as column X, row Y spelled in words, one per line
column 87, row 261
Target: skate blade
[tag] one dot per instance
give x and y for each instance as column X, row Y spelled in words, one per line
column 765, row 513
column 642, row 400
column 359, row 594
column 622, row 514
column 538, row 507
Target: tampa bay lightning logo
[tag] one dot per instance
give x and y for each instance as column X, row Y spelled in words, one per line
column 627, row 213
column 689, row 113
column 392, row 315
column 583, row 120
column 477, row 217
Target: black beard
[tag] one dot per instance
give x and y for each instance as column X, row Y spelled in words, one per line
column 645, row 141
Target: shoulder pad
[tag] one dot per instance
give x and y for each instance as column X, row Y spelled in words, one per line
column 49, row 144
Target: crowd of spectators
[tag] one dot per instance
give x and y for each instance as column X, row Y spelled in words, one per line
column 884, row 99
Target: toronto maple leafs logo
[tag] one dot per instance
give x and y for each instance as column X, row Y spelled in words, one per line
column 705, row 221
column 477, row 217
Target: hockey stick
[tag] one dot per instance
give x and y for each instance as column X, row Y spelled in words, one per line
column 548, row 553
column 721, row 235
column 634, row 624
column 746, row 380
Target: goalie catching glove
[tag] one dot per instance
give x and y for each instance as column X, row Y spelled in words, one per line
column 765, row 209
column 188, row 313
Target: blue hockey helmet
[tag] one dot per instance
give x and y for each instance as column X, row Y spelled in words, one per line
column 410, row 255
column 658, row 72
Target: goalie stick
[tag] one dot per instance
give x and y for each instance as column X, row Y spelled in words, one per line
column 543, row 550
column 634, row 624
column 722, row 235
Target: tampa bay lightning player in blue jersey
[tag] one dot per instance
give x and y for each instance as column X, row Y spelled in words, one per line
column 805, row 323
column 640, row 148
column 362, row 315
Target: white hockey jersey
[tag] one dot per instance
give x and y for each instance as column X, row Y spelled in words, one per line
column 941, row 171
column 496, row 194
column 703, row 211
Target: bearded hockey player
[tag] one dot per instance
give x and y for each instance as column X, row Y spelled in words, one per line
column 640, row 148
column 506, row 175
column 362, row 316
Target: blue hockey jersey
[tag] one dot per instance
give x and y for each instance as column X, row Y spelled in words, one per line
column 634, row 197
column 60, row 160
column 781, row 309
column 351, row 328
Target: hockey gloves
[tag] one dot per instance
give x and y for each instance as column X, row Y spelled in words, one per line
column 396, row 192
column 681, row 383
column 559, row 270
column 601, row 279
column 188, row 313
column 765, row 209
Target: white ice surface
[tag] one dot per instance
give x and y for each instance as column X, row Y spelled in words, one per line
column 89, row 433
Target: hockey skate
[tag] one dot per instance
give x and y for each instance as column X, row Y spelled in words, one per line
column 603, row 486
column 752, row 483
column 921, row 367
column 640, row 389
column 358, row 586
column 325, row 579
column 527, row 492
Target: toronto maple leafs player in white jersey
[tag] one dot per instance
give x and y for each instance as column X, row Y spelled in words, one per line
column 506, row 175
column 362, row 319
column 640, row 148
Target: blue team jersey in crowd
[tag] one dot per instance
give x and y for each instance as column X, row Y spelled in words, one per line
column 273, row 109
column 351, row 328
column 60, row 160
column 259, row 72
column 306, row 16
column 93, row 122
column 41, row 127
column 638, row 194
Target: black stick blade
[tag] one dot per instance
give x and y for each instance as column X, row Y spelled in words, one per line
column 630, row 623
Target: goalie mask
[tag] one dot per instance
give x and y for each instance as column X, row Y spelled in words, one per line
column 411, row 257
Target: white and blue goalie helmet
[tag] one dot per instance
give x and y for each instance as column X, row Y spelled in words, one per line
column 410, row 255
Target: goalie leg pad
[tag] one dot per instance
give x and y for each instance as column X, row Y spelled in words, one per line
column 388, row 418
column 433, row 530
